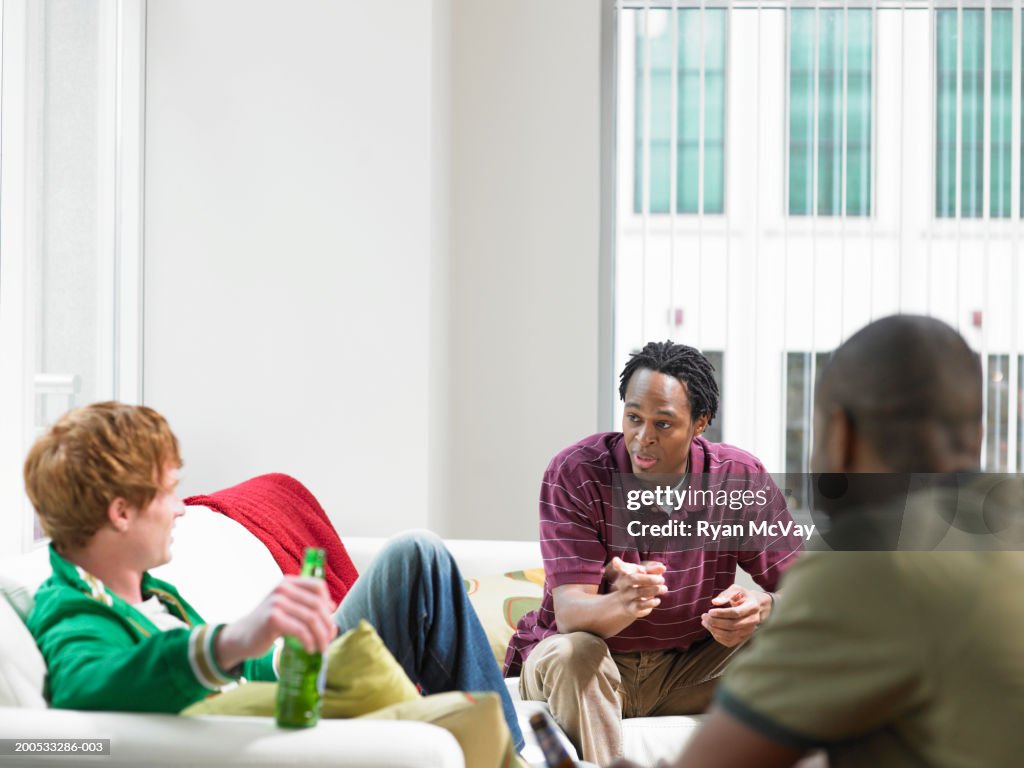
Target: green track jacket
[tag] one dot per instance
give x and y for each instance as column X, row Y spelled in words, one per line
column 101, row 653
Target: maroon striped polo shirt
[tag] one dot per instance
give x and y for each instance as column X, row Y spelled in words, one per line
column 580, row 532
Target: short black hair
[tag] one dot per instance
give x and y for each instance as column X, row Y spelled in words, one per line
column 913, row 388
column 686, row 364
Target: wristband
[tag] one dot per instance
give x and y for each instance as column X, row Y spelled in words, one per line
column 236, row 671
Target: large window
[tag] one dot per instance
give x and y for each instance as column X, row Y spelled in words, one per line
column 671, row 58
column 830, row 65
column 841, row 124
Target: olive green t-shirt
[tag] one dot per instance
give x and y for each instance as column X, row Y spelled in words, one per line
column 891, row 659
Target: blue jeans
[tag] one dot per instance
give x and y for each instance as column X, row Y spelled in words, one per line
column 414, row 596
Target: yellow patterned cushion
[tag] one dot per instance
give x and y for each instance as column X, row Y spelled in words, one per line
column 501, row 600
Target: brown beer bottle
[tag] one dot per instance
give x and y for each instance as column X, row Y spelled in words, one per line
column 554, row 753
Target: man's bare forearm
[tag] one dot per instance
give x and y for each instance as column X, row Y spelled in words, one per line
column 602, row 615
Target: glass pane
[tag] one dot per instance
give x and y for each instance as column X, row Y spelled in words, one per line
column 660, row 176
column 1020, row 413
column 830, row 110
column 1022, row 140
column 799, row 412
column 801, row 110
column 800, row 407
column 688, row 109
column 69, row 281
column 70, row 266
column 1002, row 83
column 972, row 113
column 798, row 423
column 858, row 112
column 717, row 359
column 655, row 40
column 658, row 39
column 826, row 36
column 714, row 110
column 945, row 113
column 972, row 124
column 997, row 416
column 714, row 176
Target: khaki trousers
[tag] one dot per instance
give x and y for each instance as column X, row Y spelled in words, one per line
column 589, row 689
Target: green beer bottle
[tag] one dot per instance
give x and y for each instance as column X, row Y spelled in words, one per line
column 300, row 679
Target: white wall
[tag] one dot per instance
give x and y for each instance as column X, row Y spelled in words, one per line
column 525, row 203
column 372, row 249
column 439, row 414
column 288, row 241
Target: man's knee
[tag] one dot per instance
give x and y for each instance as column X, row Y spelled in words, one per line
column 414, row 547
column 576, row 656
column 572, row 647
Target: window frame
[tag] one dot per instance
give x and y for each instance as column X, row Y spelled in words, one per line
column 119, row 244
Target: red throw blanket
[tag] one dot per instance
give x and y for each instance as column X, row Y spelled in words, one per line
column 282, row 513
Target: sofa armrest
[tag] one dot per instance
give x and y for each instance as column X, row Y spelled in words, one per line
column 171, row 740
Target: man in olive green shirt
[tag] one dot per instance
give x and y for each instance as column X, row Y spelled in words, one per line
column 884, row 656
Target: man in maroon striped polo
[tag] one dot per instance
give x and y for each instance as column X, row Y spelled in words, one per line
column 632, row 623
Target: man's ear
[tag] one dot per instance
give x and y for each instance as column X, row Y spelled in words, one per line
column 701, row 424
column 119, row 514
column 840, row 441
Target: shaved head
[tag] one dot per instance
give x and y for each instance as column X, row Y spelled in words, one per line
column 911, row 387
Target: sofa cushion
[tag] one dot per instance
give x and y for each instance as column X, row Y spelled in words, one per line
column 362, row 676
column 476, row 721
column 22, row 669
column 20, row 577
column 645, row 740
column 500, row 600
column 648, row 740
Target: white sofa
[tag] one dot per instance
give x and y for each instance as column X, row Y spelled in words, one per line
column 224, row 571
